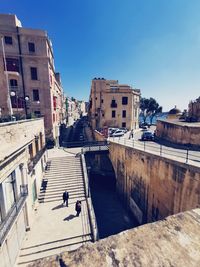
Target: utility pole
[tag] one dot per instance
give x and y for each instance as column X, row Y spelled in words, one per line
column 7, row 81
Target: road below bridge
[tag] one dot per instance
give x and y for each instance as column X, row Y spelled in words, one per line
column 111, row 216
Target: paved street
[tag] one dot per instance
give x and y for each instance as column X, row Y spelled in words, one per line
column 180, row 154
column 56, row 228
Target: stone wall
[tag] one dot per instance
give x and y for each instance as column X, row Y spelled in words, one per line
column 153, row 187
column 179, row 132
column 15, row 135
column 172, row 242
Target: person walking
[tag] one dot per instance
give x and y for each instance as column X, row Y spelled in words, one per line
column 132, row 133
column 65, row 198
column 78, row 207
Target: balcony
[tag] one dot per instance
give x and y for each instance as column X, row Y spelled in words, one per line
column 8, row 221
column 113, row 105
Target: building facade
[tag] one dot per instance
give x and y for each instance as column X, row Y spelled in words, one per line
column 22, row 164
column 29, row 84
column 194, row 110
column 113, row 105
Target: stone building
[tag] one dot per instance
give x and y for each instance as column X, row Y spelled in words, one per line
column 194, row 110
column 29, row 84
column 22, row 163
column 113, row 104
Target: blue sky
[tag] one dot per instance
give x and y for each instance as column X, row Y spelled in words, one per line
column 153, row 45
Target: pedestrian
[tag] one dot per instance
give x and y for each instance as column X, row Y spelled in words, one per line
column 132, row 133
column 65, row 198
column 78, row 207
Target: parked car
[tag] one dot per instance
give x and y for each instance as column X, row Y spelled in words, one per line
column 117, row 133
column 112, row 130
column 147, row 136
column 123, row 129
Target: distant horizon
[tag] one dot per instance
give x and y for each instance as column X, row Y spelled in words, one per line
column 149, row 45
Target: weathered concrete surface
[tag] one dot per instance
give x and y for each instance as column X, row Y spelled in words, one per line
column 15, row 135
column 179, row 132
column 174, row 241
column 154, row 187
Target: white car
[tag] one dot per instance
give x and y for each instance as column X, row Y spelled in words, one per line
column 118, row 133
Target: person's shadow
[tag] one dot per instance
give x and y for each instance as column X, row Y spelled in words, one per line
column 70, row 217
column 58, row 207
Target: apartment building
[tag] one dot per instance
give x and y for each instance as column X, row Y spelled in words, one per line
column 29, row 84
column 113, row 104
column 22, row 164
column 194, row 110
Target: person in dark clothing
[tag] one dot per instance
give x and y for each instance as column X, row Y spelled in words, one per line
column 78, row 207
column 65, row 198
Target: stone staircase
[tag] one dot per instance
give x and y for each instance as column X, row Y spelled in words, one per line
column 62, row 174
column 53, row 232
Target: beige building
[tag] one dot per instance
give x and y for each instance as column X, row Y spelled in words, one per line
column 29, row 84
column 194, row 110
column 22, row 164
column 113, row 104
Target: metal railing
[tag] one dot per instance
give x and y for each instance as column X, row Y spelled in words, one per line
column 84, row 144
column 91, row 213
column 185, row 155
column 12, row 214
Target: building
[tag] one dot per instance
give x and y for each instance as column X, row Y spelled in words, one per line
column 194, row 110
column 74, row 109
column 22, row 163
column 113, row 104
column 28, row 82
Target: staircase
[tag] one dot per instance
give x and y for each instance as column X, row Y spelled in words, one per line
column 62, row 174
column 56, row 228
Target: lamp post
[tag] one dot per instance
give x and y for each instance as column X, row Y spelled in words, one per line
column 14, row 94
column 7, row 82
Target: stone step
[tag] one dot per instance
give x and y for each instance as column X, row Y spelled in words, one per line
column 71, row 194
column 58, row 198
column 38, row 251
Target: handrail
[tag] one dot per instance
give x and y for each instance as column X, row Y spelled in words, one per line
column 84, row 143
column 162, row 150
column 91, row 214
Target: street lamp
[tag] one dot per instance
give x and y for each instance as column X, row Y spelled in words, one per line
column 14, row 94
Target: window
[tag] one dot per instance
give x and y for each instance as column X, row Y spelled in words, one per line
column 12, row 64
column 36, row 95
column 41, row 140
column 8, row 40
column 36, row 145
column 113, row 104
column 30, row 150
column 54, row 117
column 113, row 113
column 54, row 102
column 31, row 47
column 123, row 125
column 124, row 100
column 101, row 100
column 37, row 113
column 96, row 98
column 123, row 113
column 13, row 83
column 34, row 73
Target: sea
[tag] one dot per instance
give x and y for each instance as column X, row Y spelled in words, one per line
column 162, row 116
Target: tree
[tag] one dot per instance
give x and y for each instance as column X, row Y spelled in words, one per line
column 149, row 108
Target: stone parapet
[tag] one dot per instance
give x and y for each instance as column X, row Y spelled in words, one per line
column 174, row 241
column 178, row 132
column 14, row 135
